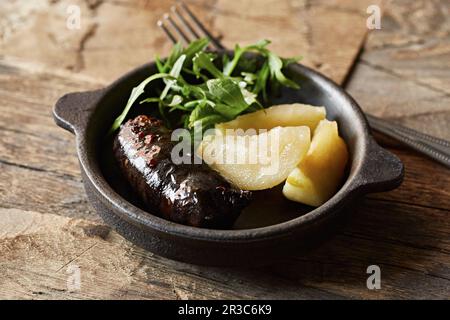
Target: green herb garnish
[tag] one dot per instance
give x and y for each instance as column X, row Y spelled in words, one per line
column 207, row 91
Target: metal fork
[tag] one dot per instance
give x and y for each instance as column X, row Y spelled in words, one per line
column 190, row 28
column 184, row 15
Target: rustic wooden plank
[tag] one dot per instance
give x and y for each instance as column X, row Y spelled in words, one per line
column 404, row 69
column 102, row 41
column 400, row 100
column 29, row 188
column 43, row 230
column 414, row 43
column 426, row 183
column 111, row 268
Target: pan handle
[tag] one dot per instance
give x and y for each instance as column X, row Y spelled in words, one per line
column 383, row 171
column 72, row 110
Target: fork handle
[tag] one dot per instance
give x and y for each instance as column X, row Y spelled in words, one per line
column 435, row 148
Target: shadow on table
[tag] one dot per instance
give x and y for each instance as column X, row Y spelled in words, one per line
column 380, row 233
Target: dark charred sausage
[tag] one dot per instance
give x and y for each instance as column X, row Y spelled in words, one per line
column 190, row 194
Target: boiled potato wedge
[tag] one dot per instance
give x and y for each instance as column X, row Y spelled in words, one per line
column 320, row 173
column 285, row 115
column 256, row 162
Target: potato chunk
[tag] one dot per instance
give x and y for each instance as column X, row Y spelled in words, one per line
column 284, row 115
column 319, row 174
column 259, row 161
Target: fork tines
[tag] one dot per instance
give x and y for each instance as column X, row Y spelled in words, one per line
column 187, row 29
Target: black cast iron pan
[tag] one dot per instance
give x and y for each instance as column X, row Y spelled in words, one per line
column 273, row 227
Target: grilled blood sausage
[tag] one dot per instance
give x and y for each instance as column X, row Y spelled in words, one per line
column 190, row 194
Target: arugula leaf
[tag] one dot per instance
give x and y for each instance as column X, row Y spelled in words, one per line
column 275, row 66
column 215, row 95
column 135, row 93
column 176, row 100
column 288, row 61
column 260, row 45
column 193, row 103
column 201, row 111
column 175, row 73
column 229, row 94
column 238, row 52
column 203, row 60
column 204, row 117
column 149, row 100
column 230, row 65
column 261, row 81
column 209, row 121
column 197, row 75
column 249, row 97
column 249, row 77
column 159, row 64
column 193, row 91
column 195, row 47
column 179, row 107
column 176, row 52
column 225, row 59
column 163, row 114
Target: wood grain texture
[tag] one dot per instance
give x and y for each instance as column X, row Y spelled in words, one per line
column 47, row 225
column 108, row 36
column 406, row 67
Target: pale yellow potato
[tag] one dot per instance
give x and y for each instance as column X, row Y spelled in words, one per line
column 319, row 174
column 256, row 162
column 284, row 115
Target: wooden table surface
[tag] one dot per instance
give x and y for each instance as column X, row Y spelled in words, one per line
column 401, row 73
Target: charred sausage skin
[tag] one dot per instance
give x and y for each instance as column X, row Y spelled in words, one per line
column 190, row 194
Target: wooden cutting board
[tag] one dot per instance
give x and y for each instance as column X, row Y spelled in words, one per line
column 115, row 37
